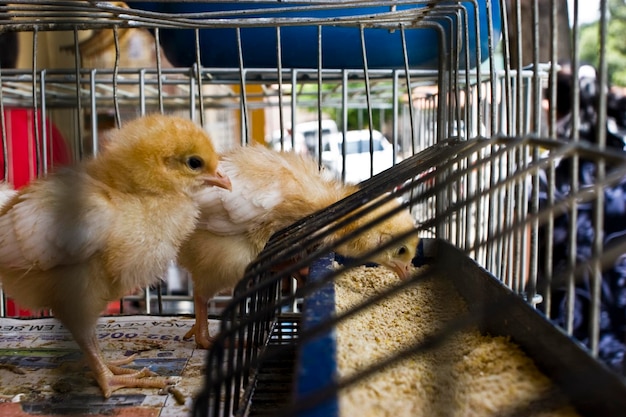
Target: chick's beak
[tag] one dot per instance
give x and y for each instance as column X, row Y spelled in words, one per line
column 401, row 269
column 219, row 179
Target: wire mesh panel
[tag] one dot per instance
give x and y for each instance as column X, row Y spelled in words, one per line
column 250, row 322
column 115, row 63
column 442, row 121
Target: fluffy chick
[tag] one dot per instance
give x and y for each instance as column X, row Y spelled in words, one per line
column 398, row 258
column 90, row 234
column 6, row 193
column 271, row 190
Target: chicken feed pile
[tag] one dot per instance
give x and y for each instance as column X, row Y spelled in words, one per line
column 469, row 375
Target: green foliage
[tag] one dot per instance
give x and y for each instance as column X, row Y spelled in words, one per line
column 357, row 115
column 615, row 44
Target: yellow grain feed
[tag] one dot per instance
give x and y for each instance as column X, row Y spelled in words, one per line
column 469, row 375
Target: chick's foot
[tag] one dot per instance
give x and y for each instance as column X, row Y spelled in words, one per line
column 201, row 335
column 110, row 382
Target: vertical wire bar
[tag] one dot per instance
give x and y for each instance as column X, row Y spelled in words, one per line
column 319, row 99
column 368, row 99
column 536, row 110
column 116, row 68
column 470, row 183
column 536, row 120
column 452, row 95
column 478, row 222
column 548, row 235
column 42, row 119
column 506, row 56
column 146, row 300
column 394, row 116
column 198, row 67
column 598, row 207
column 479, row 115
column 294, row 97
column 454, row 113
column 469, row 121
column 157, row 43
column 344, row 120
column 531, row 283
column 519, row 236
column 159, row 288
column 79, row 141
column 510, row 214
column 5, row 146
column 520, row 81
column 5, row 169
column 462, row 39
column 142, row 91
column 522, row 237
column 411, row 109
column 230, row 388
column 573, row 213
column 94, row 112
column 491, row 54
column 242, row 85
column 510, row 99
column 221, row 389
column 281, row 116
column 407, row 75
column 192, row 94
column 494, row 204
column 462, row 116
column 36, row 112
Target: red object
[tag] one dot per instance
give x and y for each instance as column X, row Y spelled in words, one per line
column 22, row 154
column 22, row 146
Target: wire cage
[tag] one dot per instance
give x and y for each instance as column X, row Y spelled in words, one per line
column 474, row 159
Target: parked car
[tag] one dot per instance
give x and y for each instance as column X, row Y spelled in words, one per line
column 287, row 144
column 358, row 162
column 310, row 131
column 306, row 137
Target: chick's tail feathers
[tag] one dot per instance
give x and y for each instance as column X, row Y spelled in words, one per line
column 6, row 193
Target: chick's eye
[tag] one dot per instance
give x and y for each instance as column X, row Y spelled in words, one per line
column 402, row 250
column 195, row 162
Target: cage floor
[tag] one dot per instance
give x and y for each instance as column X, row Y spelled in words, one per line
column 41, row 372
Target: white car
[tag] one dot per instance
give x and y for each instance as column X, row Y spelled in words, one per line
column 306, row 137
column 358, row 161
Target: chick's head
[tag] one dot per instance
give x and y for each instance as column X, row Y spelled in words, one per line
column 399, row 256
column 159, row 153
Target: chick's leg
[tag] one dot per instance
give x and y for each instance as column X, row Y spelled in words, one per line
column 111, row 377
column 81, row 320
column 200, row 329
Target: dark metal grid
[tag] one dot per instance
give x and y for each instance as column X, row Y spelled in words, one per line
column 257, row 301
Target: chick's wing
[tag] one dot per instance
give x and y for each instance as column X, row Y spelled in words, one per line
column 240, row 210
column 58, row 222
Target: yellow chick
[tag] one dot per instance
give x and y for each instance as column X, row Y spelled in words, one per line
column 271, row 190
column 6, row 193
column 90, row 234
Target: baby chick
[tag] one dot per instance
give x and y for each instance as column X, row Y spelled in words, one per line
column 6, row 193
column 90, row 234
column 271, row 190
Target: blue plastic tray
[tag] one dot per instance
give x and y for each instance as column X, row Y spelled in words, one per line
column 317, row 363
column 341, row 46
